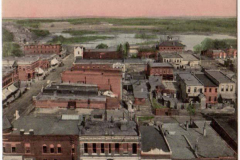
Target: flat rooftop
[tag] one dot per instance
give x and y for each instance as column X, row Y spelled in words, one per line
column 160, row 65
column 46, row 125
column 189, row 79
column 170, row 55
column 152, row 138
column 170, row 85
column 219, row 76
column 103, row 128
column 188, row 57
column 205, row 80
column 209, row 146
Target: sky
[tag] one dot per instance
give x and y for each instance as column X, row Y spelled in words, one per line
column 118, row 8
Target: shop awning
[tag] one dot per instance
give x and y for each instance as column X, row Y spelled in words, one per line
column 39, row 70
column 12, row 88
column 54, row 61
column 5, row 93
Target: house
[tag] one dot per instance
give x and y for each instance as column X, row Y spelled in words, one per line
column 170, row 46
column 215, row 54
column 210, row 89
column 190, row 61
column 190, row 88
column 165, row 70
column 226, row 87
column 73, row 96
column 41, row 137
column 78, row 52
column 173, row 58
column 140, row 91
column 105, row 79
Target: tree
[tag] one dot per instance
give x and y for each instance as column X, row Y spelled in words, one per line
column 102, row 46
column 120, row 48
column 207, row 43
column 191, row 111
column 126, row 49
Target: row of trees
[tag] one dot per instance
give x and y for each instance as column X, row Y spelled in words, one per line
column 208, row 43
column 120, row 48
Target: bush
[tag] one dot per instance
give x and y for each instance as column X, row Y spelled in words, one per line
column 102, row 46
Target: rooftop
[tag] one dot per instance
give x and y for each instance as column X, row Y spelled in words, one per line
column 160, row 65
column 171, row 44
column 170, row 85
column 209, row 146
column 219, row 76
column 188, row 57
column 105, row 128
column 155, row 81
column 170, row 55
column 101, row 50
column 205, row 80
column 139, row 88
column 152, row 138
column 46, row 125
column 97, row 61
column 189, row 79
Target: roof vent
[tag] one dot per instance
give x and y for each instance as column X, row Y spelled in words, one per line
column 22, row 131
column 31, row 131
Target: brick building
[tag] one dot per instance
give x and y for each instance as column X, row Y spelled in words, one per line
column 214, row 53
column 41, row 138
column 74, row 96
column 105, row 79
column 102, row 54
column 9, row 76
column 172, row 46
column 210, row 89
column 43, row 49
column 165, row 70
column 114, row 139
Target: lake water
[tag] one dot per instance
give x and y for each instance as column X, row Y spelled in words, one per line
column 189, row 40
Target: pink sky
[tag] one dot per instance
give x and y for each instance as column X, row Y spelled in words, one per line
column 118, row 8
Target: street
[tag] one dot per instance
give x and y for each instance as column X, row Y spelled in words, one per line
column 25, row 101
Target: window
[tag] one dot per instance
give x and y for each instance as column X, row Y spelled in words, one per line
column 85, row 148
column 231, row 88
column 226, row 87
column 94, row 148
column 27, row 148
column 73, row 149
column 59, row 149
column 44, row 149
column 102, row 147
column 210, row 89
column 110, row 149
column 189, row 89
column 200, row 90
column 222, row 88
column 51, row 150
column 205, row 90
column 216, row 90
column 134, row 148
column 117, row 147
column 195, row 89
column 13, row 149
column 4, row 150
column 215, row 99
column 210, row 98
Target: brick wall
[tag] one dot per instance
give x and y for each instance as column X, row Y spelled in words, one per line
column 42, row 49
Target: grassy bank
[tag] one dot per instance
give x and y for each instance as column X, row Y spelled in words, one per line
column 72, row 40
column 40, row 33
column 145, row 36
column 9, row 47
column 210, row 25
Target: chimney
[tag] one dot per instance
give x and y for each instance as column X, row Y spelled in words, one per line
column 21, row 131
column 17, row 114
column 31, row 131
column 204, row 130
column 186, row 125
